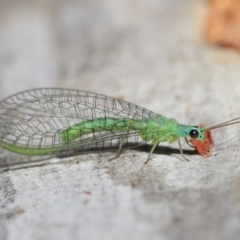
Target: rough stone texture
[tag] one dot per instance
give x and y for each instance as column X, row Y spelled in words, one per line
column 150, row 53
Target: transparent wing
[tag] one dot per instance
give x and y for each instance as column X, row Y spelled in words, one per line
column 35, row 119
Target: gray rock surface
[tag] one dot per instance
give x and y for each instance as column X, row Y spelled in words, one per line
column 147, row 52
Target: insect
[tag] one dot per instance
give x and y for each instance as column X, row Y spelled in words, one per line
column 203, row 148
column 62, row 122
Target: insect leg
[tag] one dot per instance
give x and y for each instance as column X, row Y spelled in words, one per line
column 119, row 149
column 181, row 151
column 188, row 143
column 149, row 155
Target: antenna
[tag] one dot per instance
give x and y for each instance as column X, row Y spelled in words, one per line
column 227, row 123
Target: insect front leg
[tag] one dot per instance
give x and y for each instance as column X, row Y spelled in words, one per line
column 188, row 143
column 181, row 151
column 176, row 138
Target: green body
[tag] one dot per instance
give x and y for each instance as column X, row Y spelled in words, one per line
column 155, row 129
column 160, row 129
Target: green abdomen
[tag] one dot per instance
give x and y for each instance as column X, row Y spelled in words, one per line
column 95, row 125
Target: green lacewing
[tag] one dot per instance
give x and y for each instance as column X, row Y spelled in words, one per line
column 64, row 122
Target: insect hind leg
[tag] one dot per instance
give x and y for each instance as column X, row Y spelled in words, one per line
column 119, row 149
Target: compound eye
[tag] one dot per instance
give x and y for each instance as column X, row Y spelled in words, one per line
column 194, row 133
